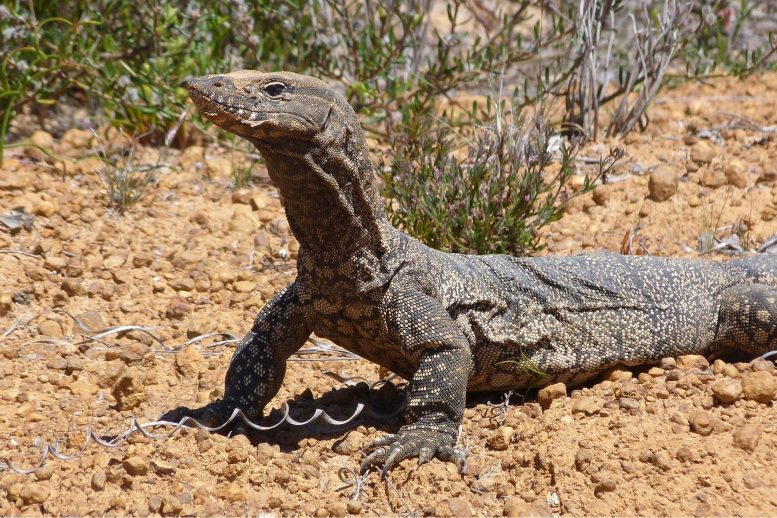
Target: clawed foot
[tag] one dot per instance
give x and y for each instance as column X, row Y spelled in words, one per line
column 411, row 442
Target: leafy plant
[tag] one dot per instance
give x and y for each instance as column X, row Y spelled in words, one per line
column 490, row 192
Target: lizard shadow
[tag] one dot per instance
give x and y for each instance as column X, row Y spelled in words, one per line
column 381, row 408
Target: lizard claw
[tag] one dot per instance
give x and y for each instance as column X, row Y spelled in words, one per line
column 410, row 442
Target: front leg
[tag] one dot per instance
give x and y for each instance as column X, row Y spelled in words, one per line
column 258, row 365
column 437, row 389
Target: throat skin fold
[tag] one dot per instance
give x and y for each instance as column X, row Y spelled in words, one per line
column 329, row 194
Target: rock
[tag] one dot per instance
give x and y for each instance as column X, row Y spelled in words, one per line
column 162, row 467
column 136, row 465
column 517, row 507
column 45, row 472
column 702, row 152
column 129, row 390
column 712, row 178
column 39, row 139
column 349, row 444
column 548, row 394
column 701, row 422
column 662, row 184
column 604, row 486
column 746, row 437
column 154, row 503
column 76, row 138
column 618, row 374
column 189, row 362
column 583, row 459
column 60, row 298
column 727, row 390
column 73, row 287
column 588, row 405
column 245, row 286
column 751, row 480
column 692, row 361
column 243, row 220
column 32, row 493
column 354, row 506
column 50, row 328
column 45, row 208
column 668, row 363
column 762, row 365
column 55, row 263
column 142, row 259
column 601, row 194
column 182, row 284
column 114, row 261
column 259, row 201
column 241, row 196
column 178, row 308
column 685, row 454
column 92, row 320
column 171, row 505
column 499, row 440
column 218, row 168
column 6, row 304
column 453, row 507
column 99, row 478
column 736, row 173
column 759, row 386
column 662, row 460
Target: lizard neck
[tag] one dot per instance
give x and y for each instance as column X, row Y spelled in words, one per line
column 331, row 201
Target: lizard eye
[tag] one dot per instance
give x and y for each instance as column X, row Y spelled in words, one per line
column 275, row 90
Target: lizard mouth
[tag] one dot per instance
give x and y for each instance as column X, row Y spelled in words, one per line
column 215, row 106
column 205, row 102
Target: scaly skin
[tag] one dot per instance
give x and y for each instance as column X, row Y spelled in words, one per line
column 450, row 323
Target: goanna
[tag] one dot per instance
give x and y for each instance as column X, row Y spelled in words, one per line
column 449, row 323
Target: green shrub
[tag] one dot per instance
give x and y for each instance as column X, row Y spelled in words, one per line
column 512, row 180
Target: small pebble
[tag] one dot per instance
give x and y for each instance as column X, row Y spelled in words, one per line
column 99, row 478
column 32, row 493
column 499, row 440
column 759, row 386
column 727, row 390
column 136, row 465
column 548, row 394
column 700, row 422
column 583, row 459
column 746, row 437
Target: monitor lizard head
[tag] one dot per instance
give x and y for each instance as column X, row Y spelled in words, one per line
column 269, row 108
column 316, row 155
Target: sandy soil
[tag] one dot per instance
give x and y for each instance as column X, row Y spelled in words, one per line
column 194, row 257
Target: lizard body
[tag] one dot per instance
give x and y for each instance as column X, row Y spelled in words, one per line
column 450, row 323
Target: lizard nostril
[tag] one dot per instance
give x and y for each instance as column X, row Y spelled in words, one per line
column 218, row 84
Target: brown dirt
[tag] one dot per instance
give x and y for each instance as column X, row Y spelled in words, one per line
column 195, row 257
